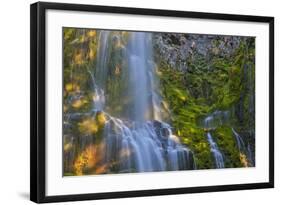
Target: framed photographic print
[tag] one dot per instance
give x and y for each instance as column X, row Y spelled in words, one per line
column 129, row 102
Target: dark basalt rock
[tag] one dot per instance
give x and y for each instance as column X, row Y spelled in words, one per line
column 165, row 132
column 177, row 49
column 157, row 127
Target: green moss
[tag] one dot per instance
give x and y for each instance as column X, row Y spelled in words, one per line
column 227, row 144
column 208, row 85
column 194, row 138
column 185, row 113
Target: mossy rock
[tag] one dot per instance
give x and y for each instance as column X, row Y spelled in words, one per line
column 227, row 144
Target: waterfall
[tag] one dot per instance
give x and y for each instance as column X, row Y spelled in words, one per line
column 250, row 155
column 142, row 143
column 216, row 118
column 215, row 151
column 139, row 51
column 142, row 82
column 239, row 141
column 99, row 75
column 211, row 122
column 139, row 148
column 102, row 59
column 242, row 147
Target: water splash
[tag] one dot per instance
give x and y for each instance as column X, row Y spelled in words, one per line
column 98, row 98
column 144, row 147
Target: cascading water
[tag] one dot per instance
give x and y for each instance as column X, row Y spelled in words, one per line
column 143, row 83
column 242, row 146
column 98, row 97
column 138, row 54
column 140, row 148
column 250, row 156
column 216, row 152
column 219, row 118
column 240, row 142
column 210, row 122
column 102, row 59
column 141, row 143
column 215, row 119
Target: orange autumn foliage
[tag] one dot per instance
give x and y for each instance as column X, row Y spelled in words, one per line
column 77, row 103
column 78, row 58
column 70, row 87
column 88, row 126
column 91, row 54
column 90, row 159
column 92, row 33
column 243, row 159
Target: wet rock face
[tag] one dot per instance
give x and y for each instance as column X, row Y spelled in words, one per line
column 157, row 127
column 165, row 132
column 161, row 131
column 177, row 49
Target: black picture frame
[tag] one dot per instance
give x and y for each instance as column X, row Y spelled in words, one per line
column 38, row 100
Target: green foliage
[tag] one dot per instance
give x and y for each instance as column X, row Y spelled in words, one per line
column 225, row 140
column 185, row 112
column 216, row 83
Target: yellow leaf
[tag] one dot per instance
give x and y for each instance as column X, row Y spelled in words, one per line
column 91, row 54
column 101, row 119
column 89, row 159
column 88, row 126
column 243, row 159
column 67, row 147
column 82, row 39
column 78, row 58
column 69, row 87
column 91, row 33
column 77, row 104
